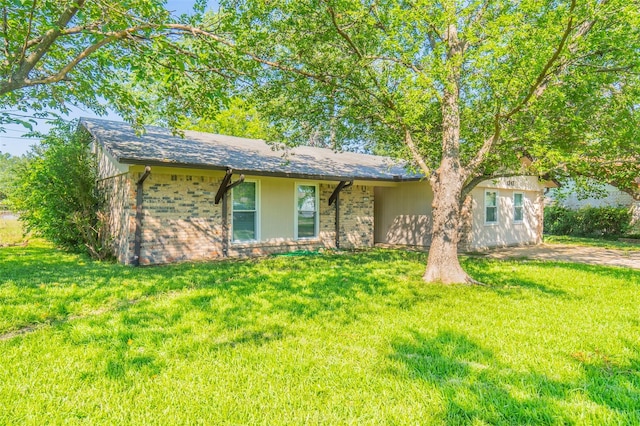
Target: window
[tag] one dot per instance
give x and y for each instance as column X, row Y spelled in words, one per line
column 518, row 207
column 491, row 207
column 306, row 211
column 245, row 212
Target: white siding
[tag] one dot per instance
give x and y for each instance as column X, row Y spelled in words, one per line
column 277, row 205
column 506, row 231
column 403, row 214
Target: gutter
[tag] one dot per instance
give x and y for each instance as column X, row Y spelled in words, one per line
column 335, row 198
column 137, row 243
column 225, row 186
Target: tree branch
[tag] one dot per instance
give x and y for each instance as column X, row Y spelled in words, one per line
column 542, row 79
column 620, row 69
column 551, row 68
column 17, row 80
column 385, row 99
column 5, row 29
column 469, row 186
column 29, row 28
column 62, row 74
column 408, row 141
column 413, row 67
column 486, row 147
column 342, row 33
column 474, row 19
column 65, row 32
column 200, row 70
column 202, row 33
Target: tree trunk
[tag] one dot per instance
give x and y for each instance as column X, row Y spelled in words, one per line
column 443, row 264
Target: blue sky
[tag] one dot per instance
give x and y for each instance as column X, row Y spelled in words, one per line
column 12, row 142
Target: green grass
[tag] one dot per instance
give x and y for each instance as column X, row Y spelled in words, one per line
column 11, row 232
column 591, row 242
column 330, row 339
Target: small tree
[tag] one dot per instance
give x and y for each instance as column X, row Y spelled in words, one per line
column 56, row 193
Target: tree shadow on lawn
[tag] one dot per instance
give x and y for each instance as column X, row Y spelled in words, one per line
column 54, row 287
column 497, row 277
column 476, row 387
column 307, row 287
column 613, row 383
column 242, row 303
column 495, row 274
column 137, row 341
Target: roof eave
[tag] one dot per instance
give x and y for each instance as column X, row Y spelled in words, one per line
column 156, row 163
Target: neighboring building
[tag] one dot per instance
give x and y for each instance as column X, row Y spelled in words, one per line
column 568, row 197
column 175, row 199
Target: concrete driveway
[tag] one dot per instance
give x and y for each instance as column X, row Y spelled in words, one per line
column 570, row 253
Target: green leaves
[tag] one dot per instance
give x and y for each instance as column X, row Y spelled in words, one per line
column 8, row 166
column 104, row 52
column 559, row 79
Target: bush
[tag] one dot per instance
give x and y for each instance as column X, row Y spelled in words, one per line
column 56, row 192
column 587, row 221
column 558, row 220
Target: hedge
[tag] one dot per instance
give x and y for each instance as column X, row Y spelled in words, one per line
column 587, row 221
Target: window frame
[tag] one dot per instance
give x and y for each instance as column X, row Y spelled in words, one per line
column 257, row 213
column 521, row 207
column 296, row 211
column 486, row 192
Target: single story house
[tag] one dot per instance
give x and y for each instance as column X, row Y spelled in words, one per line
column 205, row 196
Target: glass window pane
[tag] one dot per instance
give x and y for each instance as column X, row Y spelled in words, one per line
column 306, row 224
column 491, row 198
column 244, row 196
column 517, row 214
column 491, row 214
column 244, row 226
column 517, row 200
column 307, row 198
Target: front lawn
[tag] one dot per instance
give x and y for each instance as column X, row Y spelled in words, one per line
column 351, row 338
column 592, row 242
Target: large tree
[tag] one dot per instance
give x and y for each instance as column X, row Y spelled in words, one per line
column 462, row 89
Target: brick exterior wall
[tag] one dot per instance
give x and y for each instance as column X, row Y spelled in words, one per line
column 356, row 217
column 181, row 221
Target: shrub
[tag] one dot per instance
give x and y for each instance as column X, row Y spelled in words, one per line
column 558, row 220
column 56, row 192
column 587, row 221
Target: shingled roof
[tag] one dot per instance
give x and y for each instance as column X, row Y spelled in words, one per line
column 159, row 147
